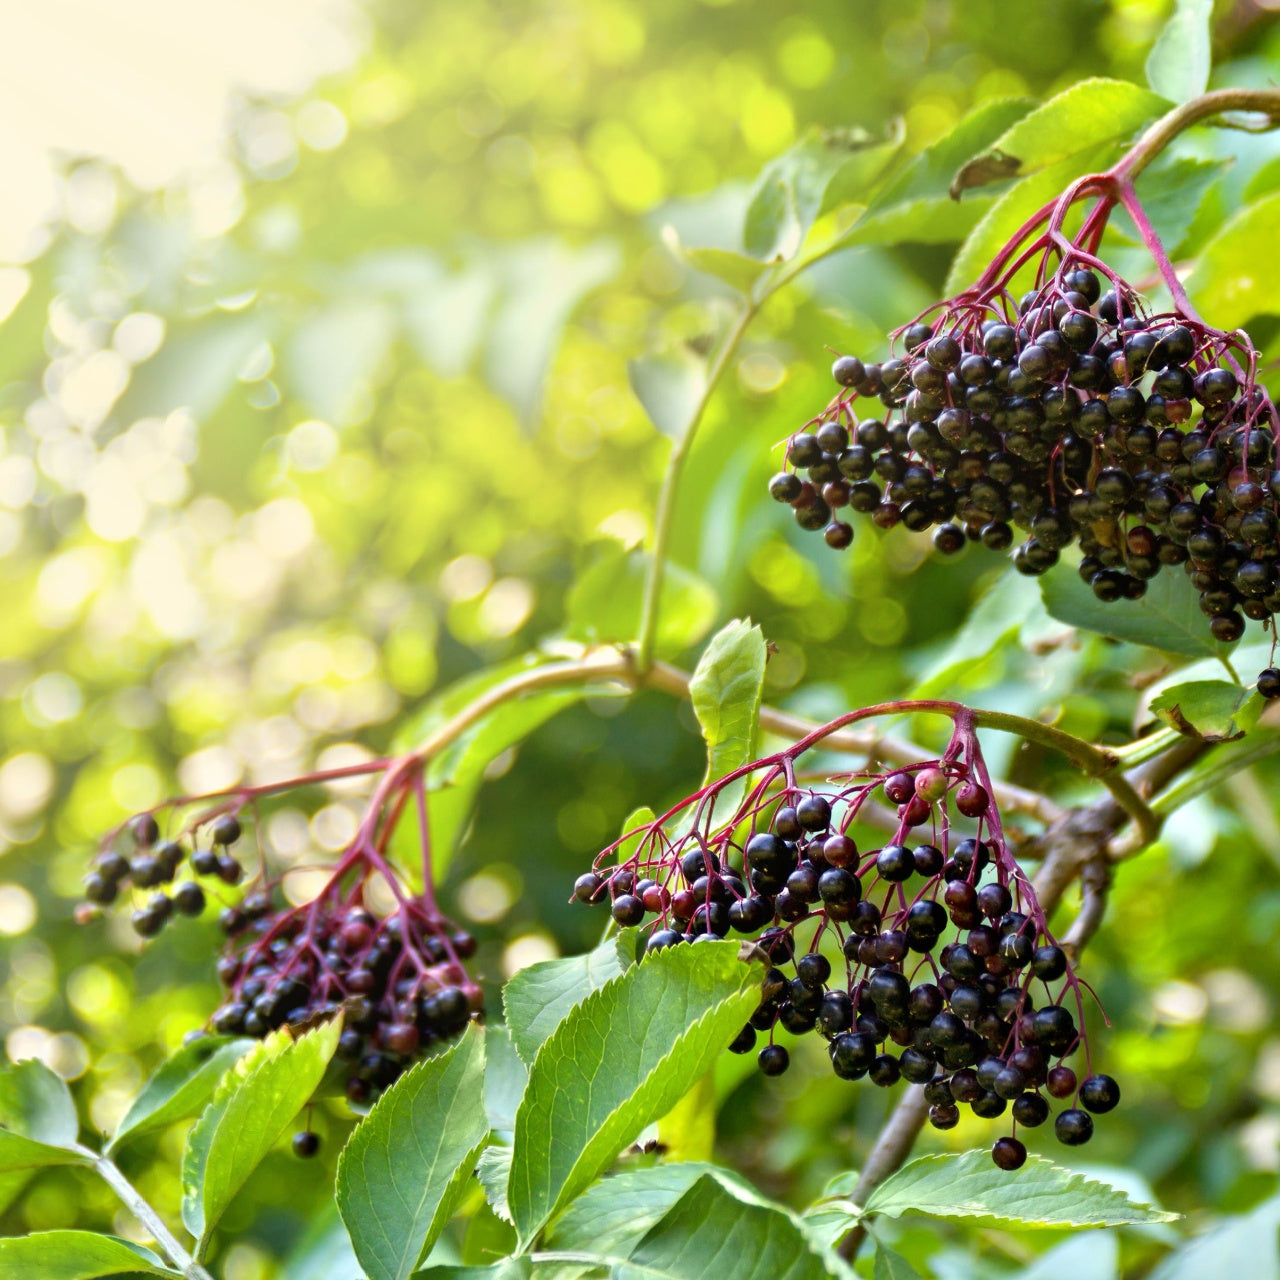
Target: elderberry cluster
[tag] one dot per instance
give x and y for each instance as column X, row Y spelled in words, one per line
column 398, row 981
column 155, row 864
column 945, row 972
column 1073, row 418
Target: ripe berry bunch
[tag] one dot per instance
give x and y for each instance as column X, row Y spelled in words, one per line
column 926, row 959
column 155, row 864
column 396, row 974
column 1072, row 416
column 398, row 980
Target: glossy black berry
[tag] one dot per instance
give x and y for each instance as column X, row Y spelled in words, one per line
column 306, row 1144
column 1009, row 1154
column 188, row 898
column 1099, row 1094
column 773, row 1059
column 1269, row 683
column 1073, row 1127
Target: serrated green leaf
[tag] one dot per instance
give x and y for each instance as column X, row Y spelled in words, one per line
column 400, row 1174
column 1041, row 1194
column 615, row 1214
column 323, row 1250
column 1089, row 114
column 824, row 169
column 619, row 1060
column 1179, row 62
column 709, row 1232
column 1208, row 709
column 604, row 604
column 505, row 1076
column 76, row 1255
column 670, row 385
column 181, row 1086
column 250, row 1111
column 493, row 1172
column 725, row 690
column 892, row 1266
column 1168, row 617
column 1003, row 219
column 540, row 996
column 19, row 1153
column 1237, row 275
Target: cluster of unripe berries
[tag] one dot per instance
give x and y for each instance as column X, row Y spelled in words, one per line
column 1076, row 418
column 945, row 973
column 155, row 864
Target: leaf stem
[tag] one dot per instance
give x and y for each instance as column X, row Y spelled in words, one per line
column 129, row 1195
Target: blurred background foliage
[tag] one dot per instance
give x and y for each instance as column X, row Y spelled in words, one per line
column 286, row 449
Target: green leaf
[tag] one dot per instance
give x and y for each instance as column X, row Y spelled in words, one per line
column 1172, row 192
column 493, row 1172
column 38, row 1122
column 250, row 1111
column 892, row 1266
column 1042, row 1194
column 402, row 1171
column 540, row 996
column 180, row 1087
column 324, row 1249
column 1089, row 114
column 505, row 1077
column 1168, row 617
column 619, row 1060
column 671, row 386
column 1237, row 275
column 603, row 605
column 36, row 1103
column 1246, row 1245
column 1178, row 64
column 615, row 1214
column 1208, row 709
column 710, row 1232
column 735, row 269
column 1002, row 221
column 822, row 170
column 922, row 203
column 726, row 690
column 76, row 1255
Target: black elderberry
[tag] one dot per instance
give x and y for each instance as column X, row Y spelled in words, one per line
column 229, row 870
column 895, row 863
column 1073, row 1127
column 744, row 1041
column 988, row 1105
column 944, row 1115
column 627, row 910
column 813, row 970
column 188, row 898
column 100, row 888
column 204, row 862
column 1009, row 1154
column 773, row 1059
column 1099, row 1094
column 1269, row 683
column 144, row 830
column 813, row 813
column 226, row 830
column 147, row 922
column 1048, row 963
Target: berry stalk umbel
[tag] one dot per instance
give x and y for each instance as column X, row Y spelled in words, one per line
column 365, row 945
column 926, row 959
column 1070, row 415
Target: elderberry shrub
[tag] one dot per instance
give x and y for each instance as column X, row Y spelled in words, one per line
column 1073, row 417
column 398, row 980
column 946, row 974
